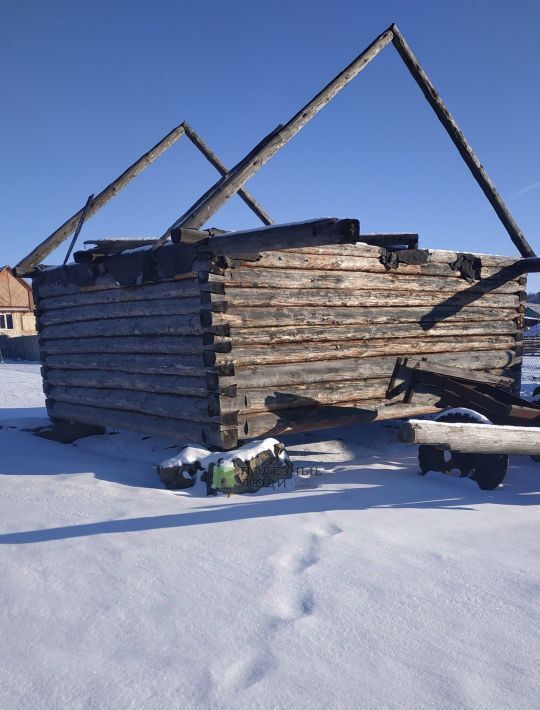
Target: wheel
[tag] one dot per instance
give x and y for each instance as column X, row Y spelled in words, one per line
column 487, row 470
column 490, row 470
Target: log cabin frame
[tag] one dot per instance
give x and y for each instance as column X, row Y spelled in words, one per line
column 210, row 336
column 232, row 181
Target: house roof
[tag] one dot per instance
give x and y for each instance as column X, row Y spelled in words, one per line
column 533, row 308
column 14, row 292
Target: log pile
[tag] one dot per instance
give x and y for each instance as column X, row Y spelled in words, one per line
column 244, row 335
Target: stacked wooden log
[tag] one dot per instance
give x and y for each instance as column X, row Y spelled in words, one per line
column 243, row 335
column 323, row 325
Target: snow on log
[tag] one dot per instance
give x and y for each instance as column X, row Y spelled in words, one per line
column 472, row 438
column 244, row 470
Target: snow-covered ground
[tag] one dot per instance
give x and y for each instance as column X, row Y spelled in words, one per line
column 373, row 588
column 531, row 375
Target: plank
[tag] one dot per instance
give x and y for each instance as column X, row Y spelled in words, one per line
column 450, row 370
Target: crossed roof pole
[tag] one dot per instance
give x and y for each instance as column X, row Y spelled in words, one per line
column 232, row 181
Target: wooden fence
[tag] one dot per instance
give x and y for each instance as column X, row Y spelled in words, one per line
column 25, row 347
column 531, row 345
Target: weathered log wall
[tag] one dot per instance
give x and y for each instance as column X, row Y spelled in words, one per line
column 323, row 326
column 213, row 341
column 130, row 355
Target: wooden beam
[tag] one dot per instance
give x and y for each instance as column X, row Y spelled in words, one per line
column 391, row 240
column 244, row 276
column 185, row 235
column 335, row 370
column 436, row 256
column 191, row 365
column 54, row 240
column 280, row 236
column 530, row 265
column 472, row 438
column 226, row 187
column 157, row 404
column 117, row 245
column 459, row 140
column 279, row 316
column 123, row 309
column 212, row 158
column 176, row 429
column 189, row 324
column 449, row 371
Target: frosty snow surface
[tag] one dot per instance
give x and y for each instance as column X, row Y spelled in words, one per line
column 378, row 589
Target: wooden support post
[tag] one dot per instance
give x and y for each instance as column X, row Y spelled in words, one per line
column 37, row 255
column 472, row 438
column 459, row 140
column 226, row 187
column 212, row 158
column 78, row 229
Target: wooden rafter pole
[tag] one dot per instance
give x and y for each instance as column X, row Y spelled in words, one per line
column 227, row 186
column 212, row 158
column 37, row 255
column 459, row 140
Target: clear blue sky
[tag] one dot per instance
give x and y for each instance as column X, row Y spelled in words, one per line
column 88, row 86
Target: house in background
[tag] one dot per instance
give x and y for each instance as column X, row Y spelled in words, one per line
column 532, row 314
column 16, row 305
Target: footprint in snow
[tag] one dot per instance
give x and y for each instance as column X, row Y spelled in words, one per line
column 289, row 600
column 290, row 597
